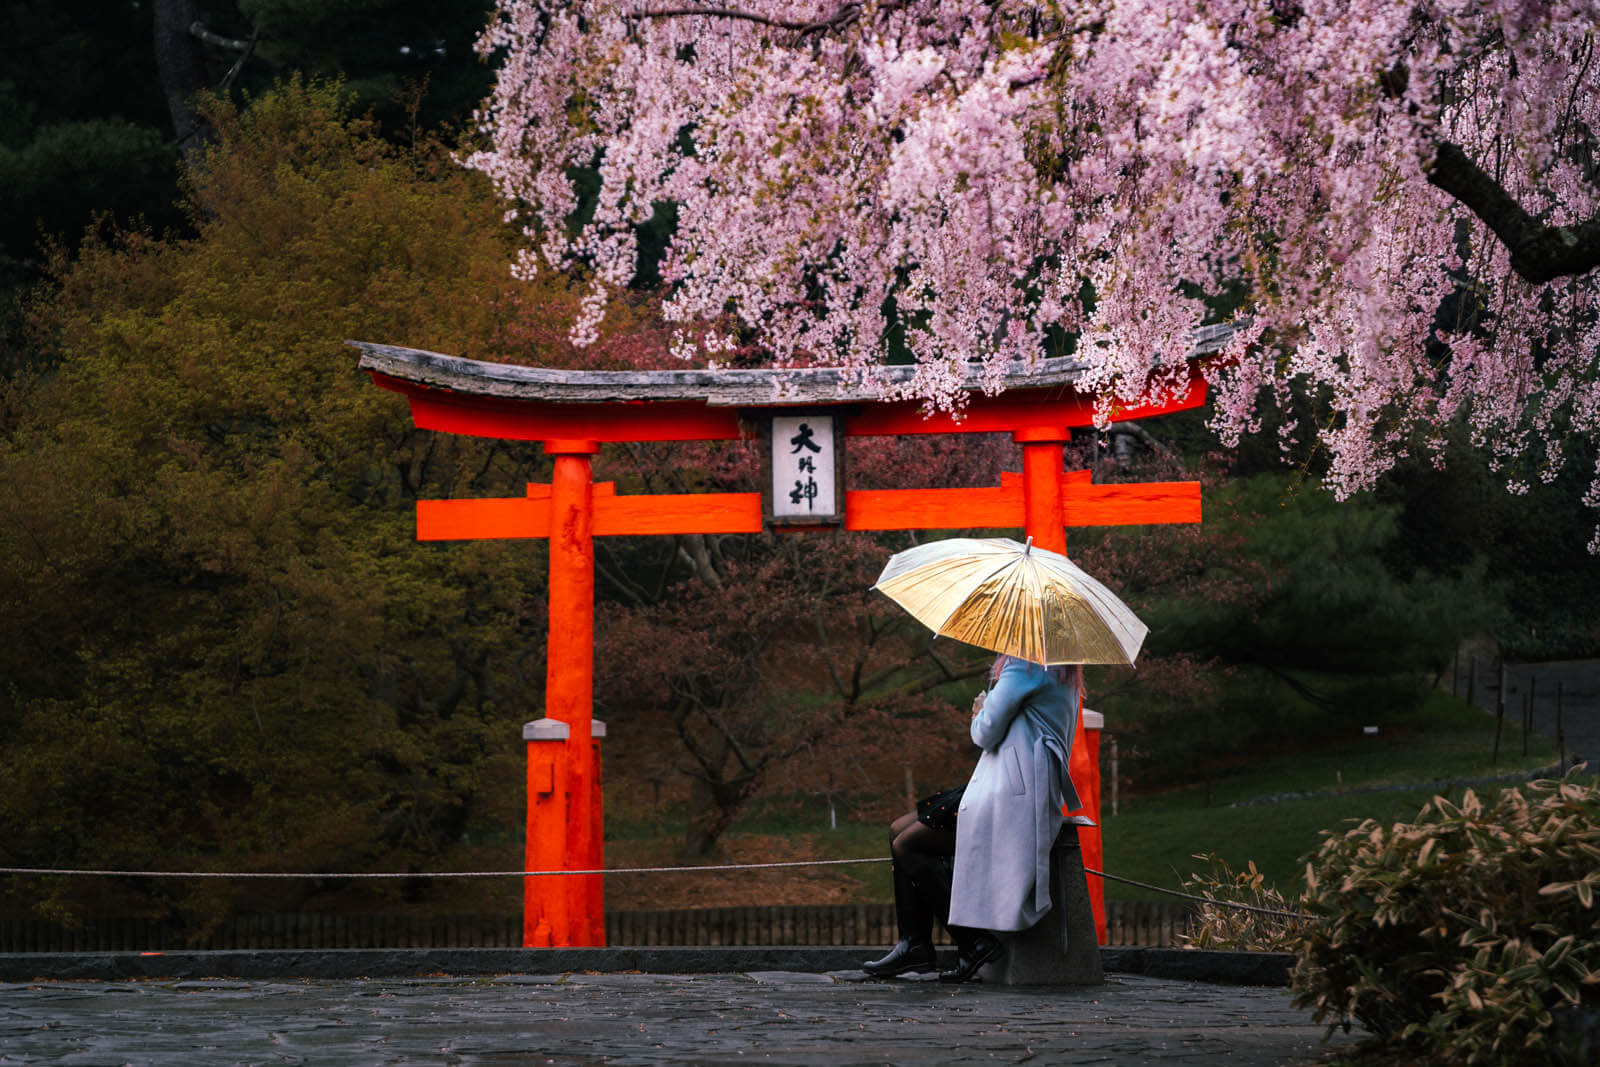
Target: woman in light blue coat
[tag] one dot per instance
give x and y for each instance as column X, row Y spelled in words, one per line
column 1012, row 808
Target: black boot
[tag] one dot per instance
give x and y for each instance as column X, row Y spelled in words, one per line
column 906, row 956
column 914, row 951
column 932, row 877
column 977, row 948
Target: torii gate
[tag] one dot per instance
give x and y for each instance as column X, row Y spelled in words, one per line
column 574, row 412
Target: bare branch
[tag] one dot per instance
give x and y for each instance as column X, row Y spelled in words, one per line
column 231, row 44
column 716, row 13
column 847, row 14
column 827, row 653
column 244, row 57
column 933, row 683
column 606, row 566
column 730, row 740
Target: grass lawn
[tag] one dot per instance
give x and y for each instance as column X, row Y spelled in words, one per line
column 1155, row 836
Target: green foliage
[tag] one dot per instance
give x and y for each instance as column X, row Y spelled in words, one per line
column 1534, row 544
column 221, row 645
column 1321, row 595
column 1279, row 619
column 1470, row 935
column 75, row 60
column 85, row 131
column 67, row 174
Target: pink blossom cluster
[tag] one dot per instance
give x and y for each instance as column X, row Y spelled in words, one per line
column 995, row 172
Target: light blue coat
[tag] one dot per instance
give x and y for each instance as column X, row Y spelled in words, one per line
column 1011, row 811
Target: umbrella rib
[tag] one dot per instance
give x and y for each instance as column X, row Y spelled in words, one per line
column 939, row 629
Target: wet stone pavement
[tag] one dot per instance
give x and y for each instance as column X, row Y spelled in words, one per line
column 767, row 1017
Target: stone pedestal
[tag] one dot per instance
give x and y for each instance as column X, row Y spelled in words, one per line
column 1061, row 948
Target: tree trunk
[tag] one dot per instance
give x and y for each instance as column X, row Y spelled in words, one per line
column 1539, row 253
column 701, row 832
column 181, row 64
column 715, row 800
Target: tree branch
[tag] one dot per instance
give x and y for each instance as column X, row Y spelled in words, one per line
column 1539, row 253
column 846, row 13
column 827, row 654
column 1140, row 434
column 605, row 566
column 244, row 57
column 716, row 12
column 694, row 551
column 232, row 44
column 1059, row 56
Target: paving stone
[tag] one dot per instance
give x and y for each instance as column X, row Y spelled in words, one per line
column 788, row 978
column 774, row 1017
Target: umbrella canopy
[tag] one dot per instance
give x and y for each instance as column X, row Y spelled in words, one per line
column 1007, row 597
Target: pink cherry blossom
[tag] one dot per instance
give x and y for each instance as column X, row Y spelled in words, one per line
column 989, row 165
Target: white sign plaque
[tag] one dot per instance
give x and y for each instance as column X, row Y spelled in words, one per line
column 803, row 467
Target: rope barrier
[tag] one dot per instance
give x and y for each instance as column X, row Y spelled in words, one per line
column 433, row 874
column 1202, row 900
column 610, row 870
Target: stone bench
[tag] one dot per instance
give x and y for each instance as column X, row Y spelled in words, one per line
column 1061, row 948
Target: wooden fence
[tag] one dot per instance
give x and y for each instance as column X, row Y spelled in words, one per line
column 1127, row 923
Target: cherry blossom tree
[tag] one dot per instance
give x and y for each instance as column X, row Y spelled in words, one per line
column 1396, row 205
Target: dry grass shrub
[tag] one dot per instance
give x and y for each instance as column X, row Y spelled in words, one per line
column 1277, row 926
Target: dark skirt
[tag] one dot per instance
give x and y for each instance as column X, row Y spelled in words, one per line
column 939, row 810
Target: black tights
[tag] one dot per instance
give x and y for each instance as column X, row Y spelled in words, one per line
column 922, row 858
column 910, row 838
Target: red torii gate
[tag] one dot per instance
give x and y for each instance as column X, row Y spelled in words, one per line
column 574, row 412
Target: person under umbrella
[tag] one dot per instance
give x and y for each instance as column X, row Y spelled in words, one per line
column 977, row 858
column 991, row 875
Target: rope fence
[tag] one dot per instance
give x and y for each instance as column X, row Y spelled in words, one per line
column 1203, row 900
column 81, row 872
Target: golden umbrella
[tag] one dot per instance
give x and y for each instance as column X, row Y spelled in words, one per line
column 1013, row 598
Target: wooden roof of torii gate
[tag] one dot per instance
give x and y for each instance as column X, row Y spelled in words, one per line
column 458, row 395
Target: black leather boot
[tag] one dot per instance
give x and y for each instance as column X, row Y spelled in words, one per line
column 977, row 948
column 906, row 956
column 914, row 951
column 933, row 877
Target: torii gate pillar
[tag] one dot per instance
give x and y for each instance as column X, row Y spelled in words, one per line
column 1043, row 514
column 1045, row 520
column 569, row 678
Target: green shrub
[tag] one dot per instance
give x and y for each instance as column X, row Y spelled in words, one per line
column 1469, row 936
